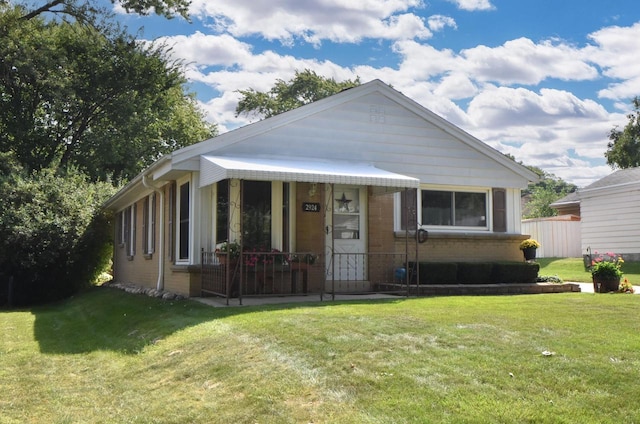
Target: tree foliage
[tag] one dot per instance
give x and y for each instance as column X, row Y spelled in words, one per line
column 53, row 237
column 86, row 10
column 82, row 105
column 305, row 87
column 542, row 194
column 539, row 196
column 623, row 149
column 75, row 95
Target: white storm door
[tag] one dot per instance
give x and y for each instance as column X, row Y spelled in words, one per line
column 348, row 235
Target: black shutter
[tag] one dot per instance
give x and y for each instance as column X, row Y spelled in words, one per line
column 409, row 209
column 499, row 210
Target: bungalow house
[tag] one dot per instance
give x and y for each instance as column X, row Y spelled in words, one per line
column 335, row 196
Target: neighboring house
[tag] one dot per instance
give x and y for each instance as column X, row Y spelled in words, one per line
column 568, row 205
column 319, row 198
column 610, row 213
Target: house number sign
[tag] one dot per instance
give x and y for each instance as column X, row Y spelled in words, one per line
column 310, row 207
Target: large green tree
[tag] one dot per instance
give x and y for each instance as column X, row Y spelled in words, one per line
column 86, row 10
column 76, row 95
column 80, row 102
column 305, row 87
column 540, row 195
column 623, row 149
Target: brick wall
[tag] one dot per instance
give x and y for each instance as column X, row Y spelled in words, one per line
column 310, row 231
column 142, row 270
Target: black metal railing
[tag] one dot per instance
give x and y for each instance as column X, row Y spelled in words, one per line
column 257, row 273
column 369, row 272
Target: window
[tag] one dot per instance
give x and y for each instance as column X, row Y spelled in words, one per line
column 120, row 229
column 454, row 208
column 171, row 221
column 266, row 214
column 256, row 214
column 149, row 224
column 130, row 230
column 346, row 214
column 222, row 211
column 183, row 221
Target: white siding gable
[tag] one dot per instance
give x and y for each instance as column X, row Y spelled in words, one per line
column 377, row 125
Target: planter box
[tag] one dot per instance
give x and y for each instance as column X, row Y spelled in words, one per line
column 605, row 284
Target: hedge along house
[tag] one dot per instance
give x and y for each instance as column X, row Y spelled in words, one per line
column 325, row 198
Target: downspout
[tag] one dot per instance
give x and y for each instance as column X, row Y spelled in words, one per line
column 147, row 184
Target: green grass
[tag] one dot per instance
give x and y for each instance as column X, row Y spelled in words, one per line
column 572, row 269
column 110, row 357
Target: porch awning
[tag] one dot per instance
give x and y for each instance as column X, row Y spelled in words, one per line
column 218, row 168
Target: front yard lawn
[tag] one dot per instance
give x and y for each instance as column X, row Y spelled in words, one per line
column 111, row 357
column 572, row 269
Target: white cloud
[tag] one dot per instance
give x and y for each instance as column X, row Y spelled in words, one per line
column 335, row 20
column 472, row 5
column 616, row 52
column 456, row 86
column 522, row 61
column 439, row 22
column 508, row 107
column 203, row 50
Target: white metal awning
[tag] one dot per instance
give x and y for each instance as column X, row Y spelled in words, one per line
column 218, row 168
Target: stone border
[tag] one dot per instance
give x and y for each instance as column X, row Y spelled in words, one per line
column 483, row 289
column 137, row 289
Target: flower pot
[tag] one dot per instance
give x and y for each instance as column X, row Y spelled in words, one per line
column 605, row 284
column 529, row 253
column 225, row 259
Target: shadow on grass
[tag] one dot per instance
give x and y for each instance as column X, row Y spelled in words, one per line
column 112, row 320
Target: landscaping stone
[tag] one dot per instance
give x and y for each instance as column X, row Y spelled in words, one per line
column 137, row 289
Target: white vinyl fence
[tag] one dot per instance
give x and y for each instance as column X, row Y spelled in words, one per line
column 559, row 236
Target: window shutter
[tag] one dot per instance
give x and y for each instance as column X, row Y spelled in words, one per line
column 127, row 230
column 409, row 209
column 172, row 213
column 145, row 226
column 134, row 218
column 152, row 247
column 499, row 210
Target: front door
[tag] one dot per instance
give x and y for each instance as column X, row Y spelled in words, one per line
column 346, row 238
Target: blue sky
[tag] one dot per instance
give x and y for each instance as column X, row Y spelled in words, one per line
column 543, row 80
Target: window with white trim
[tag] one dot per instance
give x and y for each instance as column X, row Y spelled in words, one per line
column 184, row 214
column 445, row 209
column 121, row 228
column 149, row 224
column 453, row 208
column 130, row 230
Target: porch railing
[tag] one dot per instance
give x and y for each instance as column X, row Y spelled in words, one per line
column 369, row 272
column 295, row 273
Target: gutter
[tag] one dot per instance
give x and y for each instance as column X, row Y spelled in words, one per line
column 136, row 180
column 149, row 185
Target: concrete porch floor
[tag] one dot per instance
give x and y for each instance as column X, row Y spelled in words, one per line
column 567, row 287
column 275, row 300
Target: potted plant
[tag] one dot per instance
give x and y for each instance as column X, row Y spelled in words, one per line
column 606, row 272
column 626, row 287
column 528, row 248
column 228, row 251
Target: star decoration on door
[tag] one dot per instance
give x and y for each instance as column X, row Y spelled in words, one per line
column 343, row 203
